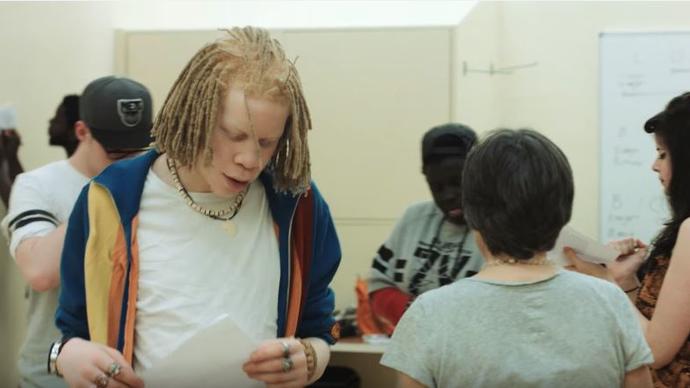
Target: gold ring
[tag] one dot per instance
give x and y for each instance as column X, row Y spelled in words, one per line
column 114, row 369
column 286, row 349
column 287, row 364
column 102, row 381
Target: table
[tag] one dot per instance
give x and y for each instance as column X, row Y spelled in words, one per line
column 364, row 358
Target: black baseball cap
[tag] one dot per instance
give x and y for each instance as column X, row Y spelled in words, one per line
column 119, row 113
column 450, row 139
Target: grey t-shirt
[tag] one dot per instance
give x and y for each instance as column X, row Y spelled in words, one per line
column 570, row 330
column 41, row 200
column 424, row 252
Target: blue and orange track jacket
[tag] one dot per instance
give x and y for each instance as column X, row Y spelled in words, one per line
column 100, row 259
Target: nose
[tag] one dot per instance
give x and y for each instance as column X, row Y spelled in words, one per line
column 449, row 195
column 655, row 165
column 249, row 157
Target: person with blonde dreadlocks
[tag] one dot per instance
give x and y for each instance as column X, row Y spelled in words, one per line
column 220, row 218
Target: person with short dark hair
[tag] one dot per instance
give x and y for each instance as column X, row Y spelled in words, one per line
column 663, row 295
column 42, row 199
column 430, row 245
column 61, row 127
column 519, row 322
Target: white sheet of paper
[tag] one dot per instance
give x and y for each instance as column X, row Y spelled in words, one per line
column 212, row 358
column 8, row 117
column 585, row 247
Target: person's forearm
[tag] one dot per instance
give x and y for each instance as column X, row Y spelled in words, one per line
column 38, row 259
column 323, row 356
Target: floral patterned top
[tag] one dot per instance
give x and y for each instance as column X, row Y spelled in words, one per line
column 677, row 373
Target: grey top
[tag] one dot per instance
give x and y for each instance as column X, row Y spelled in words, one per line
column 569, row 330
column 424, row 252
column 41, row 200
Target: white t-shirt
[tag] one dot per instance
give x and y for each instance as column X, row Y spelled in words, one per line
column 192, row 271
column 41, row 200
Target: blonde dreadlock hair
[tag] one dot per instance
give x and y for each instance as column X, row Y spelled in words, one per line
column 250, row 59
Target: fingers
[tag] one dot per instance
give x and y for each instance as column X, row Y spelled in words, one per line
column 572, row 256
column 276, row 365
column 274, row 349
column 625, row 246
column 268, row 363
column 126, row 375
column 271, row 371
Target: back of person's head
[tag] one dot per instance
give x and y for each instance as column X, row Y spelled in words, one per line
column 517, row 193
column 61, row 129
column 251, row 60
column 672, row 128
column 118, row 112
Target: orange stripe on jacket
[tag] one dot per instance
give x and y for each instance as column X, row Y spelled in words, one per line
column 128, row 350
column 301, row 261
column 117, row 287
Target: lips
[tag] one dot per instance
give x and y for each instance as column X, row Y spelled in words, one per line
column 235, row 185
column 455, row 213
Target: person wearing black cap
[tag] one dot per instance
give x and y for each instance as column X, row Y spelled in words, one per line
column 430, row 245
column 663, row 295
column 115, row 122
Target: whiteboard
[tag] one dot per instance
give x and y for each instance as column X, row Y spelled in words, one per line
column 639, row 73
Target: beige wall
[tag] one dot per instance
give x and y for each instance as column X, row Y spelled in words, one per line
column 476, row 43
column 49, row 49
column 560, row 96
column 367, row 124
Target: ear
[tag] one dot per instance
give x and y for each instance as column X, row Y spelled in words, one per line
column 82, row 131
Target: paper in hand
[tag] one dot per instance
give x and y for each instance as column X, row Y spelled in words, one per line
column 212, row 358
column 8, row 117
column 586, row 248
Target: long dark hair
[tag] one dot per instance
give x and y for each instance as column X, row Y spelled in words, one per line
column 672, row 126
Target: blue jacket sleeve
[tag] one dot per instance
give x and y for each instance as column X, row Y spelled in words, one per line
column 70, row 316
column 317, row 315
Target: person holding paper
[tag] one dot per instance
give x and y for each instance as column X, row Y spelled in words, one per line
column 42, row 200
column 431, row 245
column 521, row 321
column 663, row 297
column 221, row 217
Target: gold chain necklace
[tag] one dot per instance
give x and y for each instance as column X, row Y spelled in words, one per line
column 226, row 215
column 540, row 261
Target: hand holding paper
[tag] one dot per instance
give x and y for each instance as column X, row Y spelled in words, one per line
column 586, row 248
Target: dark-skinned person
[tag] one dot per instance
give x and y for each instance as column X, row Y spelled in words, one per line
column 431, row 245
column 521, row 321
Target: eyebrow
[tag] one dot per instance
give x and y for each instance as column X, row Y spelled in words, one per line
column 232, row 129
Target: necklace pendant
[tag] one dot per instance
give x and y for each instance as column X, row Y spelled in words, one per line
column 230, row 228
